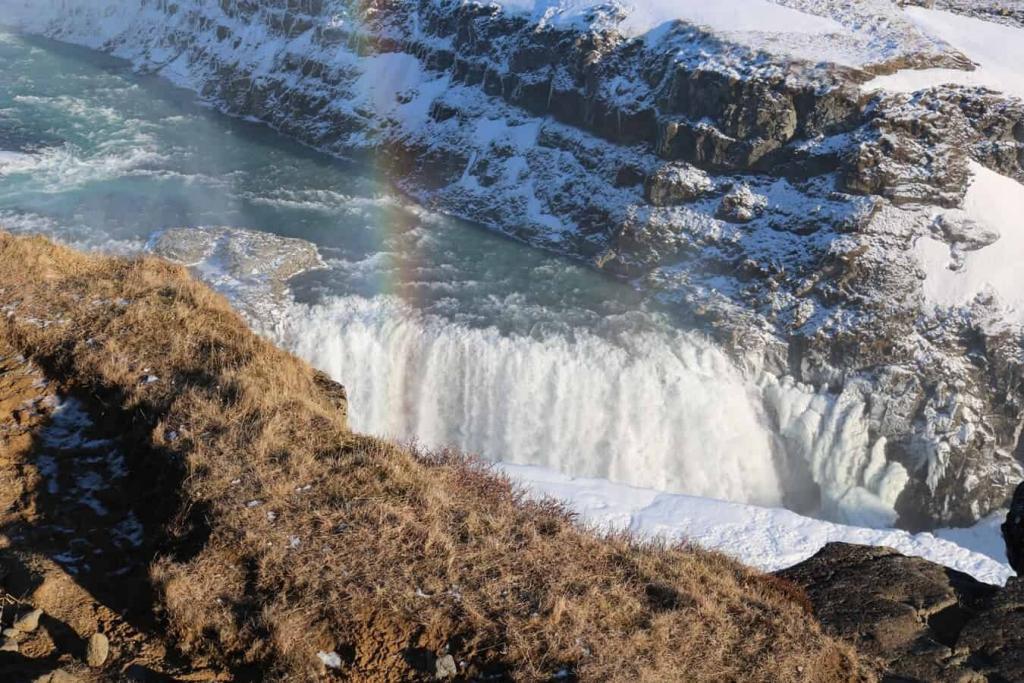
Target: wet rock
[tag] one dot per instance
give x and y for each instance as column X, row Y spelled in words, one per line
column 97, row 650
column 28, row 622
column 923, row 621
column 240, row 254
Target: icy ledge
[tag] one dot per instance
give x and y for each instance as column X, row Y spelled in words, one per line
column 764, row 538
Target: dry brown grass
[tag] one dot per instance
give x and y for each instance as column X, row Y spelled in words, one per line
column 388, row 556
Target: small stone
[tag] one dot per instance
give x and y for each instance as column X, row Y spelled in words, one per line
column 29, row 621
column 8, row 645
column 446, row 667
column 741, row 205
column 674, row 184
column 96, row 650
column 12, row 634
column 330, row 659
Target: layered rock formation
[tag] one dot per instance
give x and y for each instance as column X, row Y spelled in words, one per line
column 922, row 621
column 746, row 178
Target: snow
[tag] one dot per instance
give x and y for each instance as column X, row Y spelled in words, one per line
column 997, row 49
column 985, row 537
column 395, row 85
column 764, row 538
column 996, row 203
column 862, row 34
column 818, row 31
column 644, row 16
column 332, row 660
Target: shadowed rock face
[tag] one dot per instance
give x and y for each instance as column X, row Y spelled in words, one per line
column 922, row 621
column 1008, row 12
column 769, row 199
column 1013, row 531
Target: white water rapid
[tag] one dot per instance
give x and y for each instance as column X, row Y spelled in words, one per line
column 658, row 410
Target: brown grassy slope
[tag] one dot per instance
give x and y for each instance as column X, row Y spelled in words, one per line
column 387, row 556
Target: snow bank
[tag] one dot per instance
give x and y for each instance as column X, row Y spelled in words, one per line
column 866, row 33
column 764, row 538
column 862, row 34
column 761, row 16
column 998, row 50
column 995, row 203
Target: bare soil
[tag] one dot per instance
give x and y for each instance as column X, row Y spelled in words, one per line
column 59, row 554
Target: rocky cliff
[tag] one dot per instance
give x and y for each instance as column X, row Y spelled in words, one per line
column 745, row 177
column 920, row 621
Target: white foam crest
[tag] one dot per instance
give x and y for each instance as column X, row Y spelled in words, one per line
column 78, row 236
column 17, row 162
column 88, row 111
column 56, row 169
column 326, row 201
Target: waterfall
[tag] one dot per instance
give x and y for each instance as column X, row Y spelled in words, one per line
column 667, row 411
column 659, row 409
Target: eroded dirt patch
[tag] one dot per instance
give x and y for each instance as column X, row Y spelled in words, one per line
column 73, row 544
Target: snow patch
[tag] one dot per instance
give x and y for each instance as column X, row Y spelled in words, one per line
column 733, row 16
column 764, row 538
column 995, row 203
column 996, row 49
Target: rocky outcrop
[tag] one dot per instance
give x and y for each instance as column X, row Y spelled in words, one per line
column 1009, row 12
column 762, row 194
column 1013, row 531
column 255, row 266
column 915, row 147
column 921, row 621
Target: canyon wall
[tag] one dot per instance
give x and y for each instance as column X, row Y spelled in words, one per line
column 761, row 193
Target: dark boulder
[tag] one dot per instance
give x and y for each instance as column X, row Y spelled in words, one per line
column 1013, row 531
column 920, row 620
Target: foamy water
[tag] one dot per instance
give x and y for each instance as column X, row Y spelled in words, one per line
column 666, row 412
